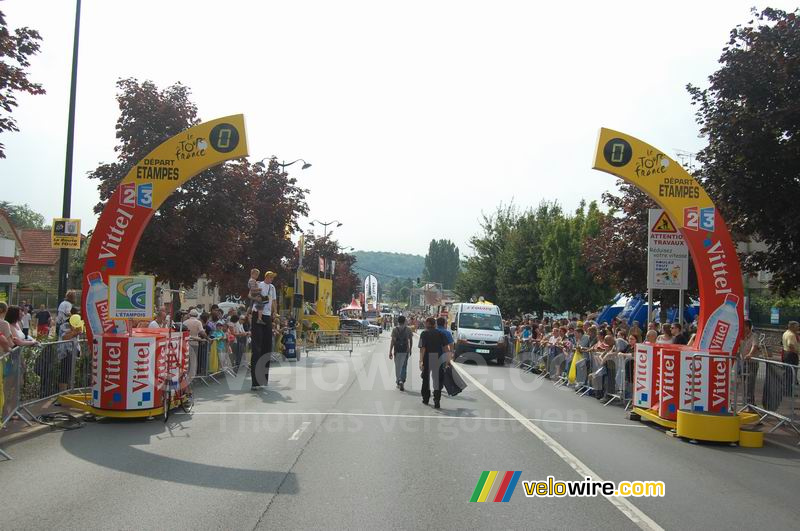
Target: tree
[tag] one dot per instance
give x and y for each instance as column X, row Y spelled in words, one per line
column 216, row 224
column 617, row 255
column 442, row 263
column 478, row 277
column 15, row 51
column 750, row 117
column 23, row 216
column 565, row 282
column 521, row 259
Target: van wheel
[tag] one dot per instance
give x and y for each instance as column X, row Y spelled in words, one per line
column 501, row 360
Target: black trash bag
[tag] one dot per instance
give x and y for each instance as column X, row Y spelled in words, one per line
column 453, row 382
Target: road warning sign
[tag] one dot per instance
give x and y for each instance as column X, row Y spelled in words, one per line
column 664, row 225
column 667, row 253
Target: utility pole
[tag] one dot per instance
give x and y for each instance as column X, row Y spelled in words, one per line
column 63, row 265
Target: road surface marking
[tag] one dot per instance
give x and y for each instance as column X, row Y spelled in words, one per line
column 634, row 514
column 299, row 431
column 389, row 415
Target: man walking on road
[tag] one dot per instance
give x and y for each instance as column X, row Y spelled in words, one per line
column 261, row 333
column 451, row 345
column 432, row 360
column 400, row 349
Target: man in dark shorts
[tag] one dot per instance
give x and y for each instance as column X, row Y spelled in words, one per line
column 433, row 356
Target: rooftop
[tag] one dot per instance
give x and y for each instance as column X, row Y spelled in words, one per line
column 38, row 248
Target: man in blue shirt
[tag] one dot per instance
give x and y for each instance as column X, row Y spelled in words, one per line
column 451, row 345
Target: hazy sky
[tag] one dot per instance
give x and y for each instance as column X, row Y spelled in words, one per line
column 416, row 115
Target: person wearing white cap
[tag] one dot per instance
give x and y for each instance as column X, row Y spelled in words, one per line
column 196, row 332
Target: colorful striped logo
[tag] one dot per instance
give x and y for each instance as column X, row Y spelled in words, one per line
column 495, row 486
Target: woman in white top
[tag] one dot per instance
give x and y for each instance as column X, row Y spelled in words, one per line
column 666, row 334
column 13, row 316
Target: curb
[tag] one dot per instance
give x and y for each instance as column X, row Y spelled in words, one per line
column 29, row 432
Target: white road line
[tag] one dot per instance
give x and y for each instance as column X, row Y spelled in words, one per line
column 389, row 415
column 299, row 431
column 633, row 513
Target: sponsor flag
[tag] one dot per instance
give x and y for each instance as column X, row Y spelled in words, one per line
column 573, row 368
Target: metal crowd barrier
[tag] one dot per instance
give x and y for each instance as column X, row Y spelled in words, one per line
column 331, row 340
column 771, row 389
column 213, row 359
column 54, row 368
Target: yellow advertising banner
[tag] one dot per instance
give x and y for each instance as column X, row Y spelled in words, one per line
column 65, row 233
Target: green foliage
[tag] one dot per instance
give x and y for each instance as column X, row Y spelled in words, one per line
column 478, row 276
column 532, row 261
column 749, row 115
column 442, row 263
column 77, row 259
column 400, row 290
column 387, row 266
column 15, row 51
column 521, row 259
column 565, row 280
column 23, row 216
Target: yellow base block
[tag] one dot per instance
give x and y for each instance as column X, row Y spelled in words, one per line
column 80, row 401
column 749, row 418
column 651, row 416
column 751, row 439
column 708, row 427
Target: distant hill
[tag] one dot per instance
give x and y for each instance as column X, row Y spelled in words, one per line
column 387, row 266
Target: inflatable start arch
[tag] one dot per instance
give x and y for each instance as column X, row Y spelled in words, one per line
column 719, row 276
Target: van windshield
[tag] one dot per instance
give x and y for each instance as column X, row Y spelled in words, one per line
column 480, row 321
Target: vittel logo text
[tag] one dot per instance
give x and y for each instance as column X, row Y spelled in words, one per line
column 109, row 247
column 716, row 257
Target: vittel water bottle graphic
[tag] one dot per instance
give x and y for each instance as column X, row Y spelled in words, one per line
column 97, row 307
column 722, row 328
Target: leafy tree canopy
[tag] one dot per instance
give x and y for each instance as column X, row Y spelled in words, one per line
column 23, row 216
column 16, row 48
column 442, row 263
column 749, row 114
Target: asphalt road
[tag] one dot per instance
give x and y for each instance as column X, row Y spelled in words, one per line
column 332, row 444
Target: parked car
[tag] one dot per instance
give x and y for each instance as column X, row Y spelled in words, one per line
column 354, row 325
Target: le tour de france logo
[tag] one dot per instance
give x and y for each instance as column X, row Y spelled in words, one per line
column 223, row 138
column 618, row 153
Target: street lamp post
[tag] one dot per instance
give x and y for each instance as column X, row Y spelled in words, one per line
column 295, row 312
column 63, row 265
column 325, row 225
column 283, row 165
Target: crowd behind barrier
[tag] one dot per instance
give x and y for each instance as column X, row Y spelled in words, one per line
column 603, row 366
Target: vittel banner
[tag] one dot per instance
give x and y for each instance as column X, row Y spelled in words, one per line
column 645, row 381
column 670, row 382
column 113, row 382
column 141, row 372
column 705, row 382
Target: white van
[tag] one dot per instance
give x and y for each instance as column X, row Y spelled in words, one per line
column 478, row 328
